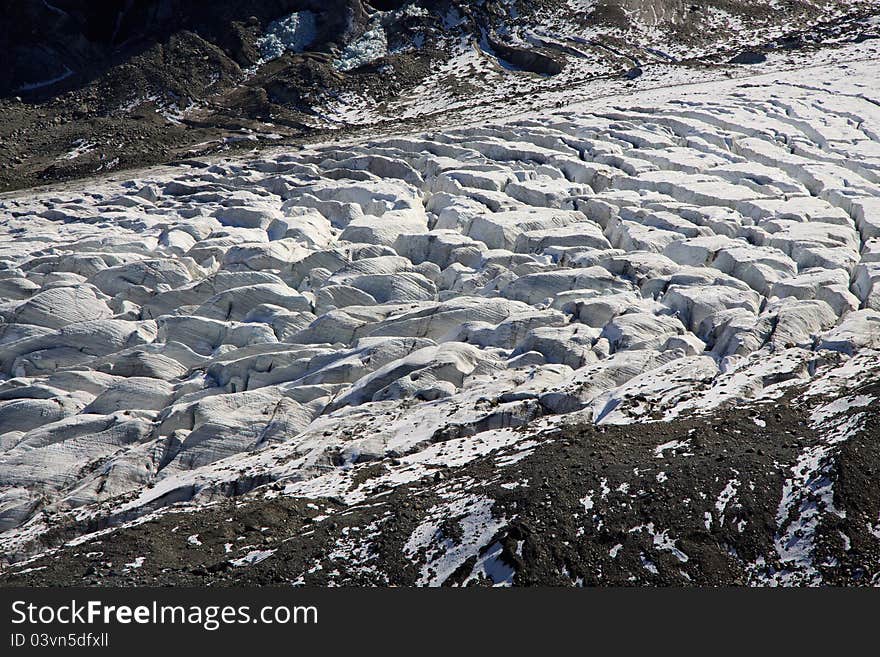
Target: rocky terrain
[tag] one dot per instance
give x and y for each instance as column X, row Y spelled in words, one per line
column 577, row 506
column 91, row 88
column 631, row 340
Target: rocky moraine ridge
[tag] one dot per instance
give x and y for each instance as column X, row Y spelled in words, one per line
column 631, row 341
column 90, row 87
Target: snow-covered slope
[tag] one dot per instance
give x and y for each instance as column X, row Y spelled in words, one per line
column 277, row 326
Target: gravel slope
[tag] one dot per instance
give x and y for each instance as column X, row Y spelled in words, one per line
column 93, row 88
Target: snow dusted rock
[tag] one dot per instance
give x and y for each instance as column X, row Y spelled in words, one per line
column 651, row 393
column 585, row 384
